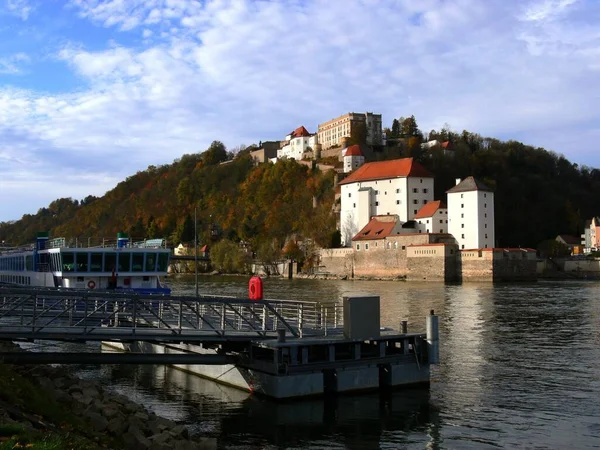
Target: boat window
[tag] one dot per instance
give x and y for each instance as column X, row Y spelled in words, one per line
column 124, row 262
column 150, row 262
column 96, row 262
column 29, row 262
column 138, row 262
column 163, row 262
column 68, row 262
column 110, row 262
column 81, row 260
column 54, row 262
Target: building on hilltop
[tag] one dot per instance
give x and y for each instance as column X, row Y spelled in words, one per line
column 591, row 236
column 332, row 132
column 433, row 217
column 297, row 143
column 471, row 214
column 400, row 187
column 353, row 158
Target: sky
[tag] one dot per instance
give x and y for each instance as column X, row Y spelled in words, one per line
column 94, row 91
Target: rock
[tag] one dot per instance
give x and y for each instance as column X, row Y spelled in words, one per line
column 60, row 382
column 98, row 421
column 161, row 438
column 207, row 444
column 142, row 416
column 163, row 424
column 157, row 446
column 90, row 392
column 179, row 431
column 132, row 407
column 109, row 411
column 74, row 388
column 117, row 426
column 135, row 438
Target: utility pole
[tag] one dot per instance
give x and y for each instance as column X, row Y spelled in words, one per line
column 196, row 249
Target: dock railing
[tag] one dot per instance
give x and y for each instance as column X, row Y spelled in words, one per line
column 105, row 315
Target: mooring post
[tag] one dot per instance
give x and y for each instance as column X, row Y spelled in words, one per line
column 281, row 335
column 433, row 349
column 404, row 326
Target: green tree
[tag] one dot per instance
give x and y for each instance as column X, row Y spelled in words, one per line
column 215, row 154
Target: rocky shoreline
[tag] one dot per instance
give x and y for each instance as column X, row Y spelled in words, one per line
column 104, row 414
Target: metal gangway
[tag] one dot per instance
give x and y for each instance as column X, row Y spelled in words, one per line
column 93, row 315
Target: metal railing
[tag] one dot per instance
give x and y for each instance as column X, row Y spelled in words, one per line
column 95, row 315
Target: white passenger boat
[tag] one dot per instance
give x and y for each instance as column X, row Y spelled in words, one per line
column 118, row 265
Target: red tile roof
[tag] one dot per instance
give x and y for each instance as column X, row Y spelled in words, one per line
column 429, row 209
column 353, row 150
column 300, row 132
column 446, row 145
column 381, row 170
column 376, row 229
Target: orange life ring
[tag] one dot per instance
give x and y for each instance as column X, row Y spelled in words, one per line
column 91, row 284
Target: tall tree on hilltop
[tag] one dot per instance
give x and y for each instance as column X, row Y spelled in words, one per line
column 410, row 128
column 215, row 154
column 396, row 129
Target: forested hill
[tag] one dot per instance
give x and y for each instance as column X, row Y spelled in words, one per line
column 538, row 195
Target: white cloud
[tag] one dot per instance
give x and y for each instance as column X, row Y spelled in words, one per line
column 19, row 8
column 244, row 71
column 13, row 65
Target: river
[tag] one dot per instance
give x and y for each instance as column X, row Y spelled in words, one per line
column 520, row 368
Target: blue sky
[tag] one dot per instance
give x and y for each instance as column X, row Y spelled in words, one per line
column 93, row 91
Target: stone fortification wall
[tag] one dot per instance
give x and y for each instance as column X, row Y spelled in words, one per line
column 498, row 265
column 337, row 261
column 432, row 262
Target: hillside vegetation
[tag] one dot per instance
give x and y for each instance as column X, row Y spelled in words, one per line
column 539, row 194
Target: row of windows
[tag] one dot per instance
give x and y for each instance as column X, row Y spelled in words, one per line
column 441, row 221
column 463, row 236
column 17, row 263
column 16, row 279
column 415, row 190
column 107, row 262
column 462, row 195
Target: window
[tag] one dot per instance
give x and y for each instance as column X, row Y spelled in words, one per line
column 446, row 221
column 366, row 246
column 349, row 194
column 81, row 262
column 421, row 180
column 486, row 236
column 96, row 262
column 397, row 202
column 425, row 191
column 415, row 201
column 462, row 236
column 404, row 247
column 137, row 262
column 462, row 205
column 357, row 246
column 150, row 262
column 463, row 247
column 427, row 221
column 163, row 262
column 462, row 216
column 354, row 205
column 462, row 225
column 484, row 195
column 461, row 195
column 376, row 192
column 385, row 193
column 397, row 191
column 415, row 190
column 68, row 262
column 441, row 221
column 124, row 263
column 376, row 203
column 485, row 205
column 415, row 211
column 485, row 215
column 424, row 202
column 110, row 260
column 441, row 231
column 485, row 226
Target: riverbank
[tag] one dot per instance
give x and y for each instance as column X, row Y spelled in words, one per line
column 42, row 406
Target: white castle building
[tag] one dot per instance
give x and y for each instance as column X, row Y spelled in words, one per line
column 298, row 142
column 404, row 188
column 399, row 186
column 471, row 214
column 353, row 158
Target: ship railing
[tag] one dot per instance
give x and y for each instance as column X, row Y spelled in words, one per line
column 104, row 315
column 95, row 242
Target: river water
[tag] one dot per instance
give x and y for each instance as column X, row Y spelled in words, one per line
column 520, row 368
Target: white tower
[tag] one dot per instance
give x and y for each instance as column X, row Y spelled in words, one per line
column 471, row 214
column 353, row 158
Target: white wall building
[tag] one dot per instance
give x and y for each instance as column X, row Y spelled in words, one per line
column 400, row 186
column 298, row 142
column 471, row 214
column 353, row 158
column 433, row 217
